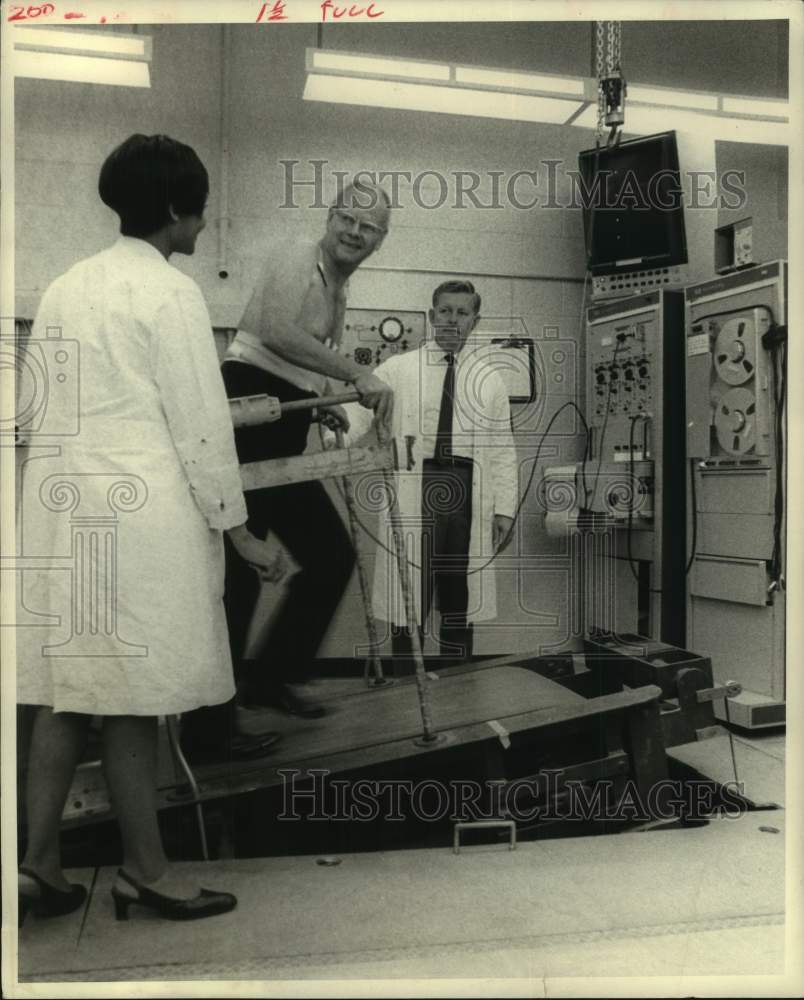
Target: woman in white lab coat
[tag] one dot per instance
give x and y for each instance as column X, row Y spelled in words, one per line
column 133, row 494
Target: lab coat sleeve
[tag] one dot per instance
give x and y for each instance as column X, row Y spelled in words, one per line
column 503, row 464
column 186, row 371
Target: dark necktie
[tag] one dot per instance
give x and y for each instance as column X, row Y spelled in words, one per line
column 443, row 450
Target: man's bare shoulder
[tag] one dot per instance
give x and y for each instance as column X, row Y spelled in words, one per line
column 289, row 257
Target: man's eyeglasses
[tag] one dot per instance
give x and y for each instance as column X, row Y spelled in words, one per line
column 364, row 228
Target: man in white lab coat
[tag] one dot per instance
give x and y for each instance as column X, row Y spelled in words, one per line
column 458, row 494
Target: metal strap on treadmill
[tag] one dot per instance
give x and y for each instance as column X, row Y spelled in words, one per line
column 501, row 731
column 484, row 824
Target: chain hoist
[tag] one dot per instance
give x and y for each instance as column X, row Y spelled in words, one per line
column 611, row 86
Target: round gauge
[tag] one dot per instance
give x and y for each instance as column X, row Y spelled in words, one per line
column 391, row 329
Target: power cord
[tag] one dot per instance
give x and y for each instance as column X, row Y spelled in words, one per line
column 779, row 369
column 694, row 505
column 520, row 503
column 634, row 419
column 617, row 346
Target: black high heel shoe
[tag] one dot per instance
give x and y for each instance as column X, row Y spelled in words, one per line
column 205, row 904
column 45, row 900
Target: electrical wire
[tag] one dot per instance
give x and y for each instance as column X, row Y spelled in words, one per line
column 581, row 332
column 522, row 498
column 634, row 418
column 731, row 739
column 617, row 346
column 694, row 505
column 779, row 364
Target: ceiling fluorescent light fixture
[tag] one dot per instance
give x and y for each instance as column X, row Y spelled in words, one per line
column 514, row 80
column 100, row 43
column 81, row 69
column 412, row 85
column 756, row 106
column 671, row 98
column 352, row 63
column 75, row 56
column 643, row 120
column 444, row 100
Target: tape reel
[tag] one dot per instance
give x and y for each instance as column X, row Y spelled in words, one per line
column 735, row 353
column 736, row 421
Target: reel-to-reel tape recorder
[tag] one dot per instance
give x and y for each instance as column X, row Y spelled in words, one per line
column 739, row 417
column 735, row 435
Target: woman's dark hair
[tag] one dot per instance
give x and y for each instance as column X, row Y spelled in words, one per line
column 148, row 174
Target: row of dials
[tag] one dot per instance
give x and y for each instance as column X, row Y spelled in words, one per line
column 612, row 379
column 622, row 387
column 390, row 329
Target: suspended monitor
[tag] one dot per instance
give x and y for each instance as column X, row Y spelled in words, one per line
column 633, row 209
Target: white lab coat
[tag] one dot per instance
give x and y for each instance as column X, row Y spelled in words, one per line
column 139, row 479
column 481, row 432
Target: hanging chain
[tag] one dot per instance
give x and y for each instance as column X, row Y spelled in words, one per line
column 610, row 83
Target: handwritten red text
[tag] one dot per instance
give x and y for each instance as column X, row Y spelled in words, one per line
column 276, row 13
column 331, row 10
column 26, row 13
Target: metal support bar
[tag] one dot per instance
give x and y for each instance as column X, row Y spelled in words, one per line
column 362, row 575
column 728, row 690
column 251, row 411
column 410, row 608
column 320, row 401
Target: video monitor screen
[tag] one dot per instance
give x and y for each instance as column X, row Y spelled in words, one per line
column 633, row 208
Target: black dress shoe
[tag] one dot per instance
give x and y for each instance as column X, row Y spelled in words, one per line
column 44, row 899
column 286, row 700
column 205, row 904
column 241, row 747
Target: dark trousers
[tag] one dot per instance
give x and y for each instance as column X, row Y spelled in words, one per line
column 446, row 532
column 304, row 519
